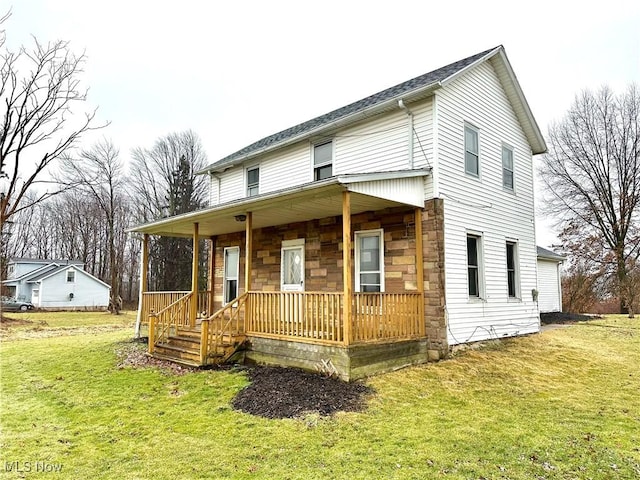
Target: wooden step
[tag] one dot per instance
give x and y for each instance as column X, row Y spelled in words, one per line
column 179, row 361
column 179, row 353
column 184, row 341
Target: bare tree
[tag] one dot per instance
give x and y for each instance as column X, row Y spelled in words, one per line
column 164, row 183
column 592, row 179
column 98, row 171
column 39, row 89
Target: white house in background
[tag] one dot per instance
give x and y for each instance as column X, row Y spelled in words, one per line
column 55, row 284
column 549, row 281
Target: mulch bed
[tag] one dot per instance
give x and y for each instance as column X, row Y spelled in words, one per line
column 288, row 393
column 274, row 392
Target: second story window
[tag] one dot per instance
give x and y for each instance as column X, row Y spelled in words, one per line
column 507, row 168
column 253, row 181
column 323, row 161
column 71, row 276
column 471, row 151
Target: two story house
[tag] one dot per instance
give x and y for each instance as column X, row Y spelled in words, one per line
column 374, row 236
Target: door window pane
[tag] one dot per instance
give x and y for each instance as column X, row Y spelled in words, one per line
column 369, row 267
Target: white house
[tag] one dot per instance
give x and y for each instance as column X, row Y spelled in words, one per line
column 549, row 281
column 404, row 219
column 55, row 284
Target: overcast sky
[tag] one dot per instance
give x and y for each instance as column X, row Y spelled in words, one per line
column 236, row 71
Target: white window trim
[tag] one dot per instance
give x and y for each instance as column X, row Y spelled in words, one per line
column 69, row 270
column 368, row 233
column 332, row 162
column 516, row 266
column 480, row 252
column 513, row 167
column 464, row 149
column 224, row 274
column 246, row 179
column 290, row 244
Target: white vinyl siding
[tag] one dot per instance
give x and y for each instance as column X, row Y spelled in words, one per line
column 87, row 291
column 549, row 287
column 378, row 144
column 481, row 204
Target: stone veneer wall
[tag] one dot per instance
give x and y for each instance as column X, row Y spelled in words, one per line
column 323, row 259
column 434, row 299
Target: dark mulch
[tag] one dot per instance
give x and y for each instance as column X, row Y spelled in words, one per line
column 133, row 354
column 289, row 393
column 561, row 317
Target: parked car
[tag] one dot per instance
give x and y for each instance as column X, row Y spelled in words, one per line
column 13, row 305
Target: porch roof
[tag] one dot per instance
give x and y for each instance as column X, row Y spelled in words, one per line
column 371, row 191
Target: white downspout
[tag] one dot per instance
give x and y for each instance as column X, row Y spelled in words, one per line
column 410, row 125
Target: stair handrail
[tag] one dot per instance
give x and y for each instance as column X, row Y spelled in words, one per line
column 160, row 323
column 212, row 338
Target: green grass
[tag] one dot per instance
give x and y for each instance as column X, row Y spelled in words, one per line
column 560, row 405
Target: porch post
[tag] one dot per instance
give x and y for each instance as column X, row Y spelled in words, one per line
column 211, row 272
column 143, row 307
column 248, row 248
column 420, row 270
column 346, row 265
column 194, row 278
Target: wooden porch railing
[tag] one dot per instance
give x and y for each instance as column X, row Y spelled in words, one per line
column 153, row 302
column 222, row 327
column 205, row 309
column 311, row 316
column 387, row 316
column 168, row 320
column 315, row 317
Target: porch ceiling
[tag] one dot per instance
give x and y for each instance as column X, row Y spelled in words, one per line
column 300, row 204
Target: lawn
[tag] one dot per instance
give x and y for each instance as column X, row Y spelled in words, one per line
column 560, row 405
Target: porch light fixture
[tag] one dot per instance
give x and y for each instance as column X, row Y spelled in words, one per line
column 240, row 218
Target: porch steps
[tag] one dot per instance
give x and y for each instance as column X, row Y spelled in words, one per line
column 184, row 348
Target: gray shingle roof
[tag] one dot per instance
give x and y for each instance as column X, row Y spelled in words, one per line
column 548, row 254
column 396, row 91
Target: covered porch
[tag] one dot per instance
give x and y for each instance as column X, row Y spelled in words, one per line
column 322, row 307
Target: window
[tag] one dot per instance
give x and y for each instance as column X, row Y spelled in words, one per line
column 322, row 161
column 253, row 181
column 10, row 270
column 471, row 151
column 71, row 276
column 473, row 265
column 512, row 271
column 231, row 268
column 369, row 261
column 507, row 168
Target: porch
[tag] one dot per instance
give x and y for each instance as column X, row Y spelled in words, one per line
column 268, row 315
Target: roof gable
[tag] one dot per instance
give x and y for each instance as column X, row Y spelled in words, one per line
column 63, row 268
column 389, row 97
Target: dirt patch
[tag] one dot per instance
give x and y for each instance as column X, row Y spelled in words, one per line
column 289, row 392
column 560, row 317
column 133, row 353
column 6, row 322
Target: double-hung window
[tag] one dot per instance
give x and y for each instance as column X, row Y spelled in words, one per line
column 471, row 151
column 231, row 267
column 253, row 181
column 474, row 273
column 71, row 276
column 512, row 270
column 369, row 261
column 507, row 168
column 322, row 161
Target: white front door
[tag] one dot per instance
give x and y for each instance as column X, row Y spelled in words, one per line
column 292, row 266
